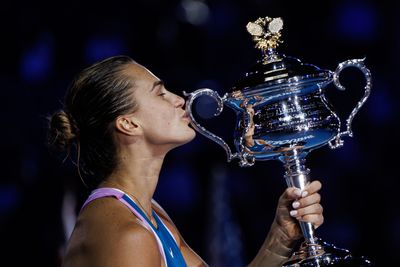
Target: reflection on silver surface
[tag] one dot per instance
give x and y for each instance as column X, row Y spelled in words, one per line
column 283, row 114
column 272, row 119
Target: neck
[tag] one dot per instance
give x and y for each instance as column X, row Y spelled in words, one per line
column 137, row 177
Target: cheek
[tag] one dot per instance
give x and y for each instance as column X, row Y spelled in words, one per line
column 161, row 120
column 159, row 113
column 165, row 119
column 160, row 116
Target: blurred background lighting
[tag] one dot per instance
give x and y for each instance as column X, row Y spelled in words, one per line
column 37, row 60
column 9, row 198
column 195, row 12
column 100, row 47
column 357, row 21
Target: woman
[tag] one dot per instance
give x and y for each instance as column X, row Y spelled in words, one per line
column 124, row 121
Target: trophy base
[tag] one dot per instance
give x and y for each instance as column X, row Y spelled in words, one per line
column 322, row 254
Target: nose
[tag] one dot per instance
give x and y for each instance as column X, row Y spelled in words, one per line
column 179, row 101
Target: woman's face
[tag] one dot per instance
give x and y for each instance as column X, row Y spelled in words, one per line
column 160, row 113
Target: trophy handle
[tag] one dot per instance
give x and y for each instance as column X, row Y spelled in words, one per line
column 189, row 102
column 358, row 63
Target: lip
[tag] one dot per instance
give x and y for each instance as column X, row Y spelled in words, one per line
column 186, row 117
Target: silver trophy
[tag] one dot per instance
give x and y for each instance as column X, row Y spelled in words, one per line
column 282, row 113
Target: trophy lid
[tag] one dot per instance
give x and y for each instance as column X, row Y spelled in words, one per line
column 275, row 68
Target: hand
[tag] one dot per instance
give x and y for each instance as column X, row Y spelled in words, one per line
column 295, row 205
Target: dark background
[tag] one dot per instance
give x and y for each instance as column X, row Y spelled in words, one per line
column 222, row 210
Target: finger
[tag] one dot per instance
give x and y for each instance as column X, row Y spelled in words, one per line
column 307, row 201
column 312, row 188
column 292, row 193
column 312, row 209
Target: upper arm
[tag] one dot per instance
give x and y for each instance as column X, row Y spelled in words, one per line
column 108, row 235
column 132, row 246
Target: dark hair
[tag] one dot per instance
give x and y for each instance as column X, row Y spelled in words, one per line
column 96, row 97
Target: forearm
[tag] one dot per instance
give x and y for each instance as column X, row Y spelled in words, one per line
column 275, row 250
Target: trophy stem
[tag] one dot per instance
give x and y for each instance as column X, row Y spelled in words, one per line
column 313, row 252
column 297, row 175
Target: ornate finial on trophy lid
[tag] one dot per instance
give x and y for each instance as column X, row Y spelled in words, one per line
column 266, row 34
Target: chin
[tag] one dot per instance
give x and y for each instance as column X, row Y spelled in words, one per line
column 184, row 138
column 191, row 135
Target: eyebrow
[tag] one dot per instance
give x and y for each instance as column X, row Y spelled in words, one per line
column 156, row 83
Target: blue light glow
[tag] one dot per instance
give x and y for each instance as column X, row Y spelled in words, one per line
column 177, row 187
column 357, row 21
column 9, row 197
column 380, row 109
column 37, row 61
column 98, row 48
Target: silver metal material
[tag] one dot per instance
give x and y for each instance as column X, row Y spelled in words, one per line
column 245, row 159
column 358, row 63
column 283, row 114
column 296, row 175
column 313, row 251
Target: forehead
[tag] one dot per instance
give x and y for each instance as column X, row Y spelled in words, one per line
column 140, row 75
column 143, row 81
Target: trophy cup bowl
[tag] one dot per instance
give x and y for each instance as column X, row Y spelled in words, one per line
column 283, row 114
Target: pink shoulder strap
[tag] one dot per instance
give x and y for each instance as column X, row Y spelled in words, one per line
column 104, row 192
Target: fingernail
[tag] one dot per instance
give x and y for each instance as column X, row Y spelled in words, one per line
column 304, row 194
column 293, row 213
column 297, row 192
column 296, row 204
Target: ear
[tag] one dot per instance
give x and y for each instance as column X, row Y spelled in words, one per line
column 127, row 125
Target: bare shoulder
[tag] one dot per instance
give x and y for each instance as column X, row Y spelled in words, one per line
column 107, row 234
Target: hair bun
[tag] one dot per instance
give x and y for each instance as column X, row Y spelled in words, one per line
column 61, row 131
